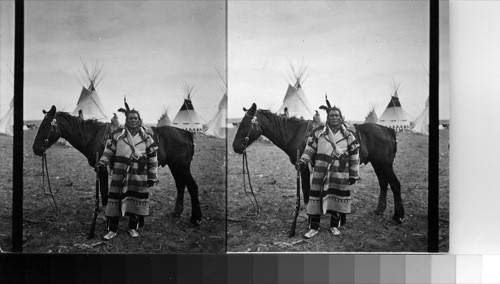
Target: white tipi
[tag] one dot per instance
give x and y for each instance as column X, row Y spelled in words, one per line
column 422, row 122
column 372, row 116
column 164, row 120
column 217, row 125
column 394, row 115
column 7, row 120
column 295, row 102
column 89, row 103
column 187, row 118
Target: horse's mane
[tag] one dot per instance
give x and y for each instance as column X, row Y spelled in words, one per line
column 79, row 122
column 281, row 121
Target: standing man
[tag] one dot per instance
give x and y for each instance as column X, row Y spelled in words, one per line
column 132, row 152
column 335, row 151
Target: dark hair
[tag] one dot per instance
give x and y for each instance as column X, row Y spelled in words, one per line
column 334, row 108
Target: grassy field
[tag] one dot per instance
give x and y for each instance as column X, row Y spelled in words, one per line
column 73, row 181
column 273, row 180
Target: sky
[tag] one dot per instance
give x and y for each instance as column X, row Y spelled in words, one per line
column 352, row 50
column 148, row 50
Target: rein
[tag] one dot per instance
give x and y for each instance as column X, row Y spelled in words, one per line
column 255, row 204
column 45, row 170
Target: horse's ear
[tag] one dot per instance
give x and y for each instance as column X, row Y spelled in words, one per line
column 52, row 111
column 252, row 110
column 44, row 112
column 245, row 109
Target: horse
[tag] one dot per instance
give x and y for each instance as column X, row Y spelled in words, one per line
column 378, row 147
column 176, row 149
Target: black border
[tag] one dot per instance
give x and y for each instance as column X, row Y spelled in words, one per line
column 433, row 194
column 18, row 155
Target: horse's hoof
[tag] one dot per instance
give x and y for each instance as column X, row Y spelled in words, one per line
column 175, row 215
column 195, row 222
column 398, row 220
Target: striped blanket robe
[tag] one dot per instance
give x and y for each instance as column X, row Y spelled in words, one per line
column 330, row 183
column 128, row 191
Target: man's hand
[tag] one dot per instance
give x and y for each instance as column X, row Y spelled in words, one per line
column 151, row 182
column 101, row 168
column 300, row 163
column 352, row 181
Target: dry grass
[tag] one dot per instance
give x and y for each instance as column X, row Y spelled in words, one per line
column 73, row 180
column 273, row 180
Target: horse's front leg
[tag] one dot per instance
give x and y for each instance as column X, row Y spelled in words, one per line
column 104, row 189
column 305, row 175
column 103, row 182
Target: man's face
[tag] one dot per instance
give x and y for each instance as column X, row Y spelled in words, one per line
column 133, row 121
column 334, row 118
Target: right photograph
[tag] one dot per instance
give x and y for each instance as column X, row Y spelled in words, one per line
column 328, row 126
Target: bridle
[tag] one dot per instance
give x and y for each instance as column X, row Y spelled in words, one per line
column 254, row 125
column 53, row 128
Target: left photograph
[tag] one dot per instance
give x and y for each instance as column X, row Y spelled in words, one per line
column 125, row 126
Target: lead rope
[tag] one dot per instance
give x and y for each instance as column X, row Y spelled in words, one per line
column 45, row 170
column 254, row 202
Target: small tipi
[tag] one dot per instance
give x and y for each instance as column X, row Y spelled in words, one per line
column 217, row 125
column 187, row 118
column 422, row 122
column 295, row 102
column 372, row 116
column 89, row 102
column 164, row 120
column 394, row 115
column 7, row 120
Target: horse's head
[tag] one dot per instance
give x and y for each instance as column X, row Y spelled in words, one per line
column 248, row 131
column 48, row 132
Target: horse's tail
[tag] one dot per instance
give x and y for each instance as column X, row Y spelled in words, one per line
column 393, row 134
column 191, row 142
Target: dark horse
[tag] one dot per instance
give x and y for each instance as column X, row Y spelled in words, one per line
column 176, row 149
column 378, row 147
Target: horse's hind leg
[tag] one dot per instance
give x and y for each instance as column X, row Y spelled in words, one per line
column 383, row 182
column 195, row 201
column 399, row 211
column 179, row 201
